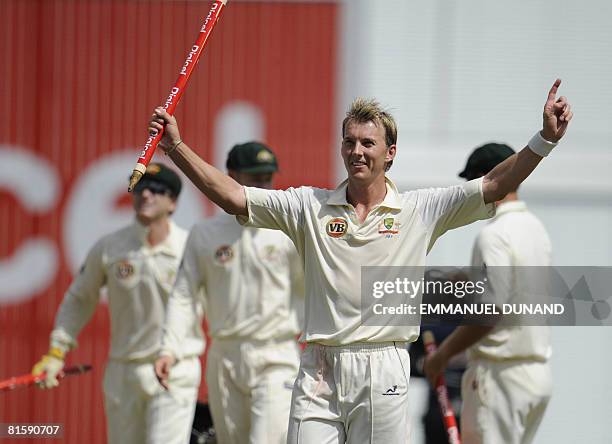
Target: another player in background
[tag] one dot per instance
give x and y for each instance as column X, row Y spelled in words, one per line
column 440, row 326
column 508, row 382
column 137, row 265
column 250, row 282
column 353, row 379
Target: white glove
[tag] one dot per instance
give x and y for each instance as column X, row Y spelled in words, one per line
column 52, row 363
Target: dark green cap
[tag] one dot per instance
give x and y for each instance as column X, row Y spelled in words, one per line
column 252, row 157
column 158, row 172
column 484, row 158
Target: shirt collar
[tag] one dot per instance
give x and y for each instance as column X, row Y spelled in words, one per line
column 508, row 207
column 392, row 198
column 166, row 247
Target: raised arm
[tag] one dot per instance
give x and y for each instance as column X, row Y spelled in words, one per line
column 217, row 186
column 509, row 174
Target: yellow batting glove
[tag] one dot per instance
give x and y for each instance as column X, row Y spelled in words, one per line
column 52, row 363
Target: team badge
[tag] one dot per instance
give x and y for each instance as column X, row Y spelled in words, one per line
column 337, row 227
column 153, row 169
column 224, row 254
column 170, row 275
column 388, row 226
column 265, row 156
column 124, row 270
column 270, row 253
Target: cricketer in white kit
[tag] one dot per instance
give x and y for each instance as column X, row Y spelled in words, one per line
column 250, row 283
column 353, row 379
column 137, row 265
column 508, row 381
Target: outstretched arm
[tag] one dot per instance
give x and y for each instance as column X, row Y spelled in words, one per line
column 217, row 186
column 509, row 174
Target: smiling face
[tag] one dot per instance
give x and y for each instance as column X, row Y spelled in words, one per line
column 365, row 152
column 153, row 202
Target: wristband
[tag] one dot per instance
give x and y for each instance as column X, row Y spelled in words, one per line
column 56, row 352
column 540, row 145
column 173, row 148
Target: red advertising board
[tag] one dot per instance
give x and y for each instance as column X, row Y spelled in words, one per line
column 79, row 81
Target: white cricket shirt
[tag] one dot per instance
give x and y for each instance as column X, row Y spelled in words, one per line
column 513, row 238
column 249, row 280
column 138, row 279
column 333, row 246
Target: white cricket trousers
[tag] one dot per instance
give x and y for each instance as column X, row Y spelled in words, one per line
column 353, row 394
column 139, row 410
column 249, row 389
column 504, row 402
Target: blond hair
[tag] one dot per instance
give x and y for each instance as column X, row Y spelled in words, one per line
column 364, row 110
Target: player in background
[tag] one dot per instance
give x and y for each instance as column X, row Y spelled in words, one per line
column 353, row 380
column 137, row 265
column 250, row 283
column 508, row 381
column 440, row 326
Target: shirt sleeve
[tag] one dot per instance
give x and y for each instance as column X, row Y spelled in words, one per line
column 275, row 209
column 446, row 208
column 80, row 300
column 184, row 309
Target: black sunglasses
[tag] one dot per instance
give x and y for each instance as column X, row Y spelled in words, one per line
column 153, row 186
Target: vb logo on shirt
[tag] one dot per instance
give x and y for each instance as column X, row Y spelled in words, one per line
column 336, row 227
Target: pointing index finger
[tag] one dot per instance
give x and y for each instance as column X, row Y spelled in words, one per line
column 553, row 91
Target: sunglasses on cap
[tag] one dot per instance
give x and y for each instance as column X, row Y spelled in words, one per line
column 153, row 186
